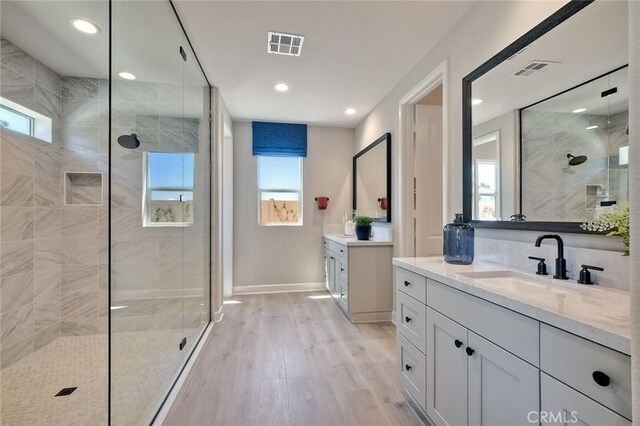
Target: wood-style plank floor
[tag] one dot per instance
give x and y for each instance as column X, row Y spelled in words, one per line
column 293, row 359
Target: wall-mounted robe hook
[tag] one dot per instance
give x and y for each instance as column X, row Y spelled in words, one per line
column 323, row 202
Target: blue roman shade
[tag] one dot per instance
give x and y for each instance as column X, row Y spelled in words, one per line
column 279, row 139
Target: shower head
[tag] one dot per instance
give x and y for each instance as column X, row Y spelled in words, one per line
column 576, row 161
column 129, row 141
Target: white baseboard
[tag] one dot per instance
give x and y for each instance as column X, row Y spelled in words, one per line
column 277, row 288
column 394, row 318
column 217, row 315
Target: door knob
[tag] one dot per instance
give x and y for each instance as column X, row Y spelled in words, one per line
column 469, row 351
column 458, row 343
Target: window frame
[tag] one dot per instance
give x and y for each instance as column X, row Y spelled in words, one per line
column 476, row 192
column 40, row 126
column 148, row 189
column 299, row 191
column 30, row 119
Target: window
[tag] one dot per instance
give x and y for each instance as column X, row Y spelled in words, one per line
column 279, row 190
column 15, row 117
column 169, row 188
column 486, row 190
column 16, row 121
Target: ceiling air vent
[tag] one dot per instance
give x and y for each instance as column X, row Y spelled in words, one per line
column 535, row 67
column 284, row 44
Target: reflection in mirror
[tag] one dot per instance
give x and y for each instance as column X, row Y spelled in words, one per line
column 548, row 122
column 371, row 180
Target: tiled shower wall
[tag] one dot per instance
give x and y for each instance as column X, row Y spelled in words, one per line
column 49, row 277
column 551, row 190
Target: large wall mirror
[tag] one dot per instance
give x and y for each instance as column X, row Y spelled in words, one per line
column 372, row 180
column 546, row 123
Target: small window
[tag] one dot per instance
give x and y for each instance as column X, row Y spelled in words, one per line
column 486, row 191
column 279, row 190
column 16, row 121
column 169, row 188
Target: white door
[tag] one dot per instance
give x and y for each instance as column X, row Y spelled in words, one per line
column 427, row 163
column 561, row 405
column 503, row 389
column 446, row 370
column 227, row 211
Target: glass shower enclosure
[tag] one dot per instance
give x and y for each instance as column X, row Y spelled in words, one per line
column 105, row 209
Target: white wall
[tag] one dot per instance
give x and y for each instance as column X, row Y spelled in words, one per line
column 272, row 255
column 485, row 30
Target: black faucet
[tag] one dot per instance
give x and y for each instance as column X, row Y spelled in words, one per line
column 561, row 263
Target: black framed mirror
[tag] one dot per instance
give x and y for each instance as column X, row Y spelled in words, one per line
column 371, row 190
column 544, row 123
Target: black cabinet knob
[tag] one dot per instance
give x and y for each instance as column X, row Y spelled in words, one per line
column 469, row 351
column 458, row 343
column 601, row 378
column 407, row 367
column 341, row 269
column 407, row 319
column 341, row 251
column 407, row 283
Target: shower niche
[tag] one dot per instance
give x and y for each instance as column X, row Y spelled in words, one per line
column 83, row 189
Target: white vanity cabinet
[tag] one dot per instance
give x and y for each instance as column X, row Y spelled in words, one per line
column 359, row 277
column 489, row 365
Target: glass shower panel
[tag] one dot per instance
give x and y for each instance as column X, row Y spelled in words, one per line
column 151, row 206
column 197, row 205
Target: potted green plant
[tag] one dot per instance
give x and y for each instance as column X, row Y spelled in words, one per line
column 363, row 227
column 613, row 219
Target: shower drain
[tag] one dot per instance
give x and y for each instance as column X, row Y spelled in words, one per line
column 66, row 391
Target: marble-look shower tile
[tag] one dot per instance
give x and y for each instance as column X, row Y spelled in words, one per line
column 80, row 250
column 128, row 222
column 125, row 194
column 16, row 258
column 170, row 123
column 79, row 87
column 17, row 155
column 48, row 335
column 11, row 354
column 80, row 138
column 46, row 309
column 170, row 141
column 147, row 121
column 16, row 190
column 16, row 325
column 16, row 224
column 46, row 279
column 103, row 88
column 134, row 91
column 134, row 249
column 79, row 278
column 79, row 313
column 132, row 277
column 79, row 221
column 47, row 161
column 47, row 193
column 48, row 104
column 16, row 87
column 47, row 78
column 171, row 275
column 47, row 252
column 16, row 59
column 16, row 291
column 81, row 112
column 47, row 223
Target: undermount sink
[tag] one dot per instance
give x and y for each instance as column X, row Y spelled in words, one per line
column 514, row 281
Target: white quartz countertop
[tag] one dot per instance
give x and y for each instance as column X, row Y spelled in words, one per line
column 598, row 313
column 353, row 241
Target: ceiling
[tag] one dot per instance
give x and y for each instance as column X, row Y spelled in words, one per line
column 354, row 53
column 587, row 45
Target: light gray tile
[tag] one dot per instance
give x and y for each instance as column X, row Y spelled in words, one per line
column 80, row 250
column 134, row 249
column 47, row 161
column 16, row 59
column 46, row 279
column 47, row 252
column 80, row 222
column 47, row 193
column 17, row 152
column 48, row 335
column 11, row 354
column 82, row 112
column 16, row 325
column 16, row 190
column 16, row 87
column 46, row 309
column 47, row 223
column 79, row 313
column 79, row 87
column 16, row 224
column 16, row 291
column 16, row 258
column 48, row 103
column 47, row 78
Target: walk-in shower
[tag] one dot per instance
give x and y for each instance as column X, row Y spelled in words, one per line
column 105, row 204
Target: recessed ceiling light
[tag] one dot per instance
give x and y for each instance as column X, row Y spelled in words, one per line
column 281, row 87
column 127, row 75
column 350, row 111
column 592, row 127
column 85, row 26
column 477, row 101
column 579, row 110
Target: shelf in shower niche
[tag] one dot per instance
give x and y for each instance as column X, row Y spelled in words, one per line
column 83, row 188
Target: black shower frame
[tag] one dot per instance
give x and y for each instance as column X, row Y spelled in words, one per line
column 211, row 193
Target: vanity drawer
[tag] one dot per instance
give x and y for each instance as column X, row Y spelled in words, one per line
column 511, row 331
column 336, row 248
column 412, row 320
column 413, row 373
column 574, row 360
column 412, row 284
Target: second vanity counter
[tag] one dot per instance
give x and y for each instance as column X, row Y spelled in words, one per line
column 600, row 314
column 346, row 240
